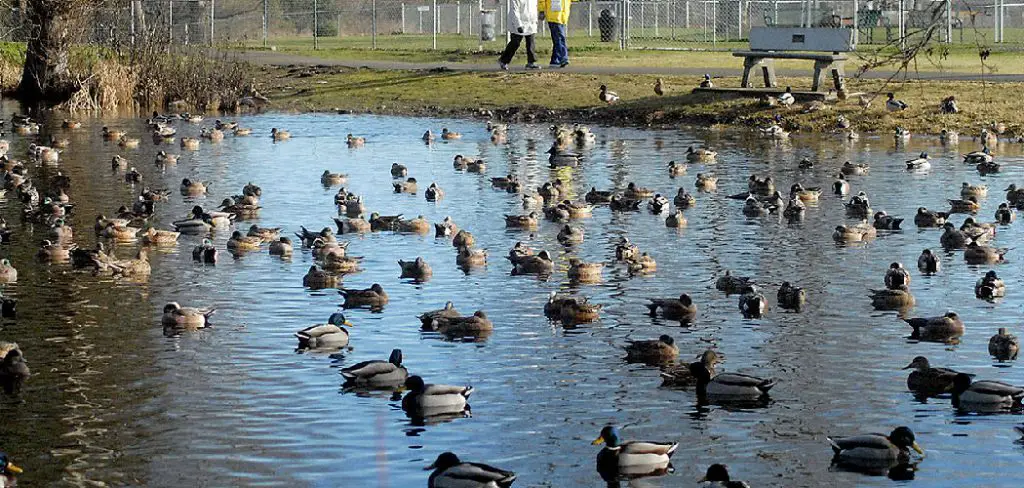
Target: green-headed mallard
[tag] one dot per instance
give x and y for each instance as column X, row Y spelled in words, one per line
column 205, row 253
column 851, row 169
column 676, row 169
column 661, row 350
column 417, row 269
column 942, row 328
column 729, row 386
column 607, row 96
column 682, row 309
column 330, row 179
column 621, row 457
column 317, row 278
column 872, row 449
column 619, row 203
column 450, row 471
column 570, row 235
column 985, row 395
column 682, row 375
column 178, row 317
column 584, row 272
column 732, row 284
column 434, row 193
column 976, row 253
column 706, row 182
column 840, row 187
column 1003, row 346
column 331, row 335
column 373, row 297
column 791, row 297
column 929, row 381
column 281, row 247
column 990, row 286
column 921, row 163
column 426, row 400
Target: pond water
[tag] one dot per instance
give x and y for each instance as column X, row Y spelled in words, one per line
column 113, row 401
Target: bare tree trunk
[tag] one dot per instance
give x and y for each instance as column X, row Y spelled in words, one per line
column 46, row 78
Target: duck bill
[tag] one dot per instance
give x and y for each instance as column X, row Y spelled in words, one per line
column 599, row 440
column 432, row 466
column 347, row 323
column 11, row 468
column 917, row 448
column 909, row 366
column 703, row 479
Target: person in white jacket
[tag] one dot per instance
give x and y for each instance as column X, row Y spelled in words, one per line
column 522, row 24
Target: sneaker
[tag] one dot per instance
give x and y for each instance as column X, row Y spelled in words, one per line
column 532, row 66
column 503, row 66
column 554, row 65
column 563, row 64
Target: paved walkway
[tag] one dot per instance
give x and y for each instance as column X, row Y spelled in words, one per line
column 284, row 59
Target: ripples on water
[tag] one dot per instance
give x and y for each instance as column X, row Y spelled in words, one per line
column 114, row 401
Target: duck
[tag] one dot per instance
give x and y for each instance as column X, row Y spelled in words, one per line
column 354, row 141
column 354, row 207
column 620, row 203
column 661, row 350
column 969, row 190
column 373, row 297
column 279, row 134
column 804, row 194
column 111, row 134
column 528, row 221
column 700, row 155
column 427, row 319
column 791, row 297
column 898, row 298
column 154, row 237
column 929, row 381
column 539, row 264
column 977, row 231
column 193, row 188
column 786, row 99
column 929, row 218
column 990, row 286
column 989, row 138
column 221, row 125
column 658, row 204
column 417, row 269
column 896, row 276
column 752, row 302
column 399, row 170
column 884, row 221
column 330, row 179
column 840, row 187
column 644, row 263
column 450, row 471
column 858, row 206
column 205, row 253
column 795, row 210
column 976, row 253
column 947, row 326
column 332, row 335
column 901, row 135
column 753, row 208
column 423, row 400
column 214, row 135
column 928, row 262
column 986, row 395
column 463, row 238
column 978, row 157
column 638, row 192
column 684, row 199
column 472, row 325
column 570, row 235
column 584, row 272
column 240, row 242
column 718, row 475
column 682, row 375
column 729, row 386
column 949, row 105
column 730, row 283
column 1003, row 346
column 178, row 317
column 676, row 220
column 894, row 105
column 384, row 222
column 316, row 279
column 427, row 136
column 352, row 226
column 682, row 309
column 189, row 143
column 51, row 252
column 14, row 371
column 419, row 225
column 706, row 182
column 467, row 257
column 434, row 193
column 872, row 449
column 1005, row 215
column 596, row 196
column 952, row 238
column 407, row 186
column 607, row 96
column 851, row 169
column 570, row 309
column 920, row 163
column 1014, row 195
column 949, row 137
column 71, row 124
column 449, row 135
column 966, row 205
column 988, row 168
column 853, row 233
column 631, row 457
column 676, row 169
column 706, row 81
column 281, row 247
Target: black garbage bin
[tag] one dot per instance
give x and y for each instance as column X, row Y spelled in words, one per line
column 606, row 22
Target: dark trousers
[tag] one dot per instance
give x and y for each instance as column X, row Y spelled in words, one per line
column 513, row 46
column 559, row 50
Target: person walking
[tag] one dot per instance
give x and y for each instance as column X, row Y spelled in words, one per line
column 522, row 24
column 556, row 13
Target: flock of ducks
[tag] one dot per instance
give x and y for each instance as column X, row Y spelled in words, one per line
column 619, row 458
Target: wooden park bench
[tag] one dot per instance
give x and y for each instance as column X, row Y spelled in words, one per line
column 824, row 46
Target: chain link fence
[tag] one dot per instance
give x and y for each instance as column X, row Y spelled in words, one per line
column 458, row 24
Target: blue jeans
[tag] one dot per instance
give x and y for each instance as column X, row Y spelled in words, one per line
column 559, row 50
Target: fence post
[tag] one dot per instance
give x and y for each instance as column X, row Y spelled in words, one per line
column 403, row 18
column 949, row 22
column 458, row 18
column 714, row 23
column 265, row 23
column 624, row 7
column 213, row 8
column 739, row 20
column 657, row 12
column 316, row 26
column 170, row 21
column 373, row 23
column 433, row 24
column 131, row 7
column 590, row 19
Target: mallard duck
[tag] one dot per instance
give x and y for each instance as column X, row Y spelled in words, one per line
column 279, row 134
column 840, row 187
column 354, row 141
column 988, row 138
column 419, row 225
column 795, row 210
column 732, row 284
column 684, row 199
column 205, row 253
column 706, row 182
column 952, row 238
column 853, row 233
column 625, row 249
column 990, row 286
column 471, row 325
column 786, row 99
column 449, row 135
column 682, row 375
column 417, row 269
column 753, row 208
column 570, row 235
column 631, row 457
column 1005, row 215
column 267, row 234
column 676, row 220
column 1014, row 195
column 281, row 247
column 428, row 136
column 331, row 335
column 929, row 381
column 892, row 298
column 978, row 157
column 774, row 131
column 468, row 258
column 718, row 475
column 658, row 204
column 352, row 226
column 987, row 168
column 434, row 193
column 894, row 105
column 977, row 231
column 425, row 400
column 71, row 124
column 339, row 263
column 921, row 163
column 872, row 449
column 316, row 279
column 330, row 179
column 619, row 203
column 700, row 155
column 929, row 218
column 729, row 386
column 193, row 188
column 859, row 169
column 676, row 169
column 584, row 272
column 706, row 82
column 804, row 194
column 897, row 276
column 450, row 471
column 969, row 190
column 661, row 350
column 682, row 309
column 476, row 166
column 240, row 242
column 211, row 134
column 644, row 263
column 53, row 252
column 985, row 395
column 242, row 131
column 571, row 309
column 928, row 262
column 858, row 206
column 154, row 237
column 976, row 253
column 752, row 302
column 373, row 297
column 399, row 170
column 967, row 205
column 637, row 192
column 791, row 297
column 354, row 207
column 761, row 186
column 940, row 328
column 221, row 125
column 178, row 317
column 384, row 222
column 598, row 196
column 901, row 135
column 1003, row 346
column 540, row 264
column 13, row 373
column 528, row 221
column 189, row 143
column 607, row 96
column 111, row 134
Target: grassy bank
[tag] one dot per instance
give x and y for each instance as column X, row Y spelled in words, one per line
column 554, row 96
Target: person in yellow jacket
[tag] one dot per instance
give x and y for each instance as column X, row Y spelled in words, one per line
column 556, row 13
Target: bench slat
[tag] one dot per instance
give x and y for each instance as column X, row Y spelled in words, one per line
column 790, row 55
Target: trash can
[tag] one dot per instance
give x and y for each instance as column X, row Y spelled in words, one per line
column 487, row 25
column 606, row 22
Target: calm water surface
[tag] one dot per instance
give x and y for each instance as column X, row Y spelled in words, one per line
column 113, row 401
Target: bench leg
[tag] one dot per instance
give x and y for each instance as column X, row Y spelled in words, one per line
column 747, row 65
column 768, row 71
column 838, row 75
column 820, row 69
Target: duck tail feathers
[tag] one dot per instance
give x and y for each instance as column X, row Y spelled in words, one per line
column 767, row 385
column 832, row 443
